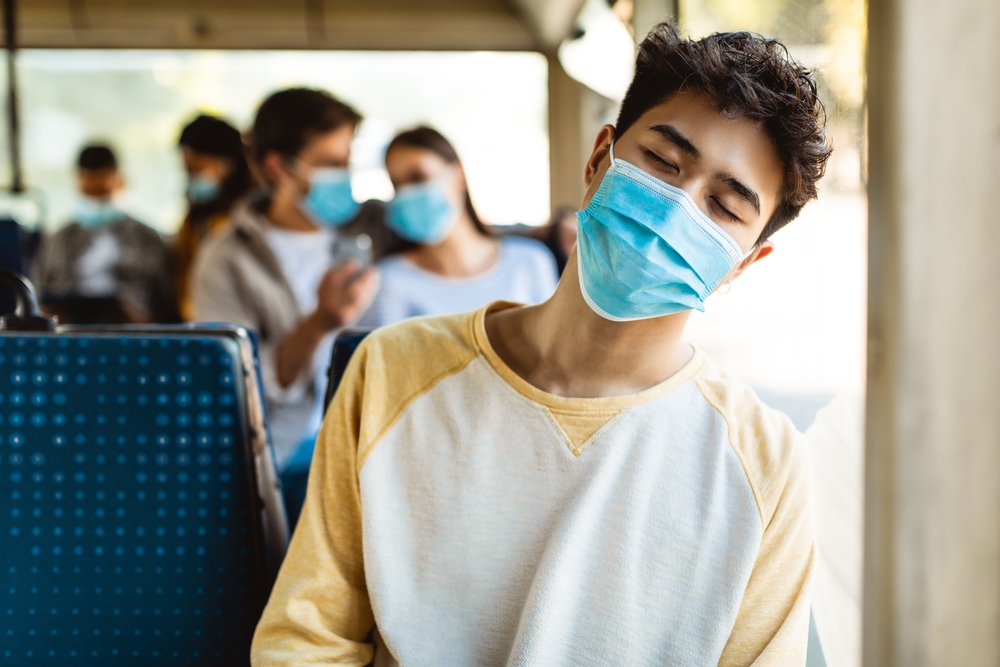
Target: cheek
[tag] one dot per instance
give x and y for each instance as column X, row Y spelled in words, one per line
column 220, row 169
column 457, row 191
column 744, row 235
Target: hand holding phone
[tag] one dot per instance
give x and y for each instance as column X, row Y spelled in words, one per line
column 343, row 296
column 357, row 248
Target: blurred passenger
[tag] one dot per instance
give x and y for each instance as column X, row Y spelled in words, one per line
column 455, row 264
column 558, row 235
column 217, row 175
column 105, row 266
column 272, row 271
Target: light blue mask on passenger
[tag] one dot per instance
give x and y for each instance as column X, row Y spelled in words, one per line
column 91, row 212
column 646, row 250
column 330, row 200
column 422, row 213
column 201, row 189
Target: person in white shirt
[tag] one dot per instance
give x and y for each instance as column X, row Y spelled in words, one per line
column 272, row 270
column 455, row 264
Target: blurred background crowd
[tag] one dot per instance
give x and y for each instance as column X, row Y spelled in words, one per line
column 494, row 108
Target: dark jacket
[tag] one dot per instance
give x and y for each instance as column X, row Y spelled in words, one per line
column 143, row 272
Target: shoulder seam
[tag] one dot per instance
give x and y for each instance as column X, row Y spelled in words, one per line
column 364, row 453
column 699, row 381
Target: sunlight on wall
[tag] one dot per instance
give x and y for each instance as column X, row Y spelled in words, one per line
column 795, row 323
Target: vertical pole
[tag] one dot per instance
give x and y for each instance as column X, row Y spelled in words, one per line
column 648, row 13
column 566, row 158
column 879, row 633
column 932, row 507
column 576, row 113
column 13, row 121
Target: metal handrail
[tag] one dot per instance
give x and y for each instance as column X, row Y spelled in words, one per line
column 27, row 314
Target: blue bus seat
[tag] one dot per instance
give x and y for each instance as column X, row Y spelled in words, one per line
column 140, row 514
column 10, row 258
column 343, row 347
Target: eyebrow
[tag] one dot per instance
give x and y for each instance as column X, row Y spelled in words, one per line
column 742, row 190
column 674, row 136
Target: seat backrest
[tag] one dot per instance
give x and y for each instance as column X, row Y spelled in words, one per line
column 140, row 513
column 343, row 347
column 10, row 259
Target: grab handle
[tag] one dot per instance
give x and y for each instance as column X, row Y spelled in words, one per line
column 27, row 315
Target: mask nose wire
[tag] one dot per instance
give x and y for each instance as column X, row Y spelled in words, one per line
column 611, row 152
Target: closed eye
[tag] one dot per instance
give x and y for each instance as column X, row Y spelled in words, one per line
column 660, row 161
column 725, row 211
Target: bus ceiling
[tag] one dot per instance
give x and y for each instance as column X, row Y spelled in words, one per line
column 382, row 25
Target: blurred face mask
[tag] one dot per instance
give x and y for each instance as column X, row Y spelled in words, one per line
column 91, row 212
column 330, row 200
column 201, row 188
column 423, row 212
column 646, row 250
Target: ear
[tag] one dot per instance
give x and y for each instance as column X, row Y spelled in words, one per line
column 273, row 168
column 759, row 253
column 460, row 177
column 225, row 168
column 602, row 144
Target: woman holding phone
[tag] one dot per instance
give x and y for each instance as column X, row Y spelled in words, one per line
column 455, row 264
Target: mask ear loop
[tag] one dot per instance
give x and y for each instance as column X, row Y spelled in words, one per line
column 729, row 283
column 611, row 151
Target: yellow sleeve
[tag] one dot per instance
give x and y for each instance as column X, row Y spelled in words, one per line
column 319, row 611
column 772, row 625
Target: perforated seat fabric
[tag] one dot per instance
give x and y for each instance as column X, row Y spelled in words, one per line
column 130, row 530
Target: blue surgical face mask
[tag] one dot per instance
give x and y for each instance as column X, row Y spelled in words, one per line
column 201, row 188
column 330, row 200
column 91, row 212
column 645, row 249
column 423, row 213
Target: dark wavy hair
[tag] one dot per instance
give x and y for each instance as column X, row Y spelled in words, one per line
column 429, row 139
column 96, row 156
column 746, row 76
column 211, row 135
column 289, row 119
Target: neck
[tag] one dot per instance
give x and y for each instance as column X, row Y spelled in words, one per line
column 462, row 254
column 284, row 212
column 565, row 348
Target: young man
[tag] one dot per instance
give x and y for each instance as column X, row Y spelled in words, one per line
column 272, row 272
column 571, row 483
column 105, row 266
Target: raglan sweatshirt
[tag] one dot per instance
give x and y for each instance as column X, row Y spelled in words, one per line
column 458, row 516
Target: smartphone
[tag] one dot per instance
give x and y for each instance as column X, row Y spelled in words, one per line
column 357, row 248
